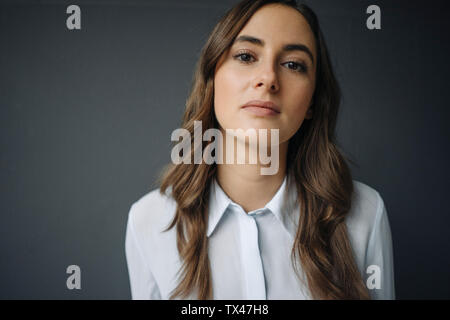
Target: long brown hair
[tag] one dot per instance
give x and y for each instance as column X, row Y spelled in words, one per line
column 322, row 177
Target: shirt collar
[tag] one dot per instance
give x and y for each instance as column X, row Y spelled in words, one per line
column 218, row 203
column 284, row 205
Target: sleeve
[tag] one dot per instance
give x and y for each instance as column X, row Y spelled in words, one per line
column 142, row 282
column 379, row 258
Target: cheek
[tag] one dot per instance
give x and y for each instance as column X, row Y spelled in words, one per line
column 296, row 107
column 299, row 101
column 220, row 93
column 226, row 93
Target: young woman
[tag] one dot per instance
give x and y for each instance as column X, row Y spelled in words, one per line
column 226, row 231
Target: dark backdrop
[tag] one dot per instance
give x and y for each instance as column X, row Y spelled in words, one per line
column 86, row 118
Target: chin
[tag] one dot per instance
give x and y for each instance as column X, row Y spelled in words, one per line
column 261, row 125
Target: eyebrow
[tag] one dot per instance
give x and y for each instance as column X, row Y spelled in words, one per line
column 287, row 47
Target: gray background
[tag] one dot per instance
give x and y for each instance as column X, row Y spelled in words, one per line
column 86, row 118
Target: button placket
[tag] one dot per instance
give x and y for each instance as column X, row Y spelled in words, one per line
column 252, row 263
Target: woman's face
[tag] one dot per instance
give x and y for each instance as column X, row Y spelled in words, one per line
column 274, row 65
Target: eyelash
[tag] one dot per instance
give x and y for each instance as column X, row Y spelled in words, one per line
column 304, row 68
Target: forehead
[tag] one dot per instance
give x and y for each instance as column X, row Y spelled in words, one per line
column 279, row 24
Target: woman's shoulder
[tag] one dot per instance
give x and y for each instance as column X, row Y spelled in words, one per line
column 367, row 204
column 370, row 236
column 150, row 248
column 365, row 195
column 152, row 210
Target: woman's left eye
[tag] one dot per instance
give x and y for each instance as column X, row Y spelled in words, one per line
column 300, row 67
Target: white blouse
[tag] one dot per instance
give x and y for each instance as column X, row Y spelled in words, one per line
column 250, row 253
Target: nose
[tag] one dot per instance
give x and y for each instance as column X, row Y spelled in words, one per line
column 267, row 78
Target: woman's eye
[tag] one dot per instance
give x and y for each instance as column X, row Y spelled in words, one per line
column 244, row 57
column 299, row 67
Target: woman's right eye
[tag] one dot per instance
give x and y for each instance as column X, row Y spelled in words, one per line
column 243, row 57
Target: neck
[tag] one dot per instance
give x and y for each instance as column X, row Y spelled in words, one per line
column 245, row 185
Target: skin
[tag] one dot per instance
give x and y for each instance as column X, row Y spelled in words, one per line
column 247, row 71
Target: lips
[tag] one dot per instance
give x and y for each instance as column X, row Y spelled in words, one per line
column 262, row 104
